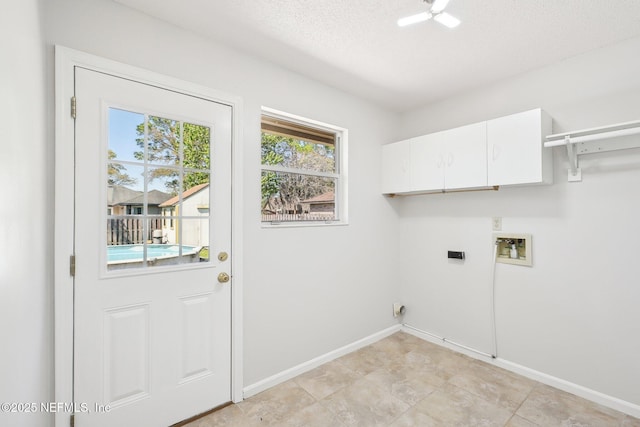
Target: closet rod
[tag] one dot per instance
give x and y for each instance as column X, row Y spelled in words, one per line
column 593, row 134
column 570, row 139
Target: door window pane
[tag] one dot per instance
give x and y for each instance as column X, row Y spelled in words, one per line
column 197, row 147
column 163, row 179
column 195, row 236
column 162, row 141
column 125, row 128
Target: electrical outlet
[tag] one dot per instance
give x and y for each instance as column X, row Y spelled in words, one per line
column 497, row 223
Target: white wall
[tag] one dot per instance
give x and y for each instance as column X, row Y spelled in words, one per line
column 307, row 291
column 26, row 267
column 574, row 314
column 571, row 315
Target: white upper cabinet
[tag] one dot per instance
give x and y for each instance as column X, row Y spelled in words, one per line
column 464, row 155
column 516, row 153
column 450, row 159
column 427, row 163
column 396, row 162
column 504, row 151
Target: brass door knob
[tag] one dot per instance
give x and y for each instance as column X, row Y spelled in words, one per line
column 223, row 277
column 222, row 256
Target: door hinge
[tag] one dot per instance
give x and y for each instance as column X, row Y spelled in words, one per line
column 73, row 107
column 72, row 265
column 72, row 420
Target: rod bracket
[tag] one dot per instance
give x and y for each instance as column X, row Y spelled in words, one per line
column 574, row 172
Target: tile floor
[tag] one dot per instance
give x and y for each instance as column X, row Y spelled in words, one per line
column 405, row 381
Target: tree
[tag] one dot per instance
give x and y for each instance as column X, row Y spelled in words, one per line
column 287, row 190
column 269, row 181
column 163, row 148
column 116, row 172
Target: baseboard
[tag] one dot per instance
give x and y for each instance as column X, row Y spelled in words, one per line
column 584, row 392
column 286, row 375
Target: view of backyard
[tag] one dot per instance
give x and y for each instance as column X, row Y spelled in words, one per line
column 158, row 173
column 299, row 172
column 157, row 191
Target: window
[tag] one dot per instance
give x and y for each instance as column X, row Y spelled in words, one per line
column 134, row 210
column 303, row 171
column 156, row 168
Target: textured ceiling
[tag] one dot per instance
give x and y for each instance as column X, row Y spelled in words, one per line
column 356, row 46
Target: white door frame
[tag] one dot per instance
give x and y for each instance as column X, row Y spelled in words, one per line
column 65, row 61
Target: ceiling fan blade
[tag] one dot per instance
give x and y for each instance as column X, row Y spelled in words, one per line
column 439, row 5
column 414, row 19
column 447, row 20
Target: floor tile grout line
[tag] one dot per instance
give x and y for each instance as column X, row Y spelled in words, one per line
column 522, row 403
column 483, row 397
column 411, row 407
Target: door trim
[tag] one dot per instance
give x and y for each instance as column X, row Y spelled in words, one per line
column 66, row 60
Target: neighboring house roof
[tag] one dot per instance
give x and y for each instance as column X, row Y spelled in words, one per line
column 154, row 197
column 328, row 197
column 188, row 193
column 119, row 195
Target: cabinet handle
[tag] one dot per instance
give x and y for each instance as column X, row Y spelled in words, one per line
column 440, row 161
column 495, row 151
column 450, row 159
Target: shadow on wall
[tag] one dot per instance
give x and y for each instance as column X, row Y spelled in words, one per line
column 541, row 201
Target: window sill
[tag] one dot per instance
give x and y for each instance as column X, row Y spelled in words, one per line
column 302, row 224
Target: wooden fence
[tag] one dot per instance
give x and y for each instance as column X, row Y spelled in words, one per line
column 130, row 231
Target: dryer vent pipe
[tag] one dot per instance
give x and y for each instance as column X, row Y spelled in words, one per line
column 398, row 309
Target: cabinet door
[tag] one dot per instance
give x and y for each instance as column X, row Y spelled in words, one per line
column 515, row 148
column 465, row 155
column 396, row 167
column 427, row 162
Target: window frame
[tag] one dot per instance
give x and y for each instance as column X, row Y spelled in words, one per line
column 340, row 173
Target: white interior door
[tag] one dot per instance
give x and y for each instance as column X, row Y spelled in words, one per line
column 152, row 325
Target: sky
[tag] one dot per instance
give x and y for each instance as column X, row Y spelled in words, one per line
column 122, row 140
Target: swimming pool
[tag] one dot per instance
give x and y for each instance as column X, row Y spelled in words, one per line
column 127, row 253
